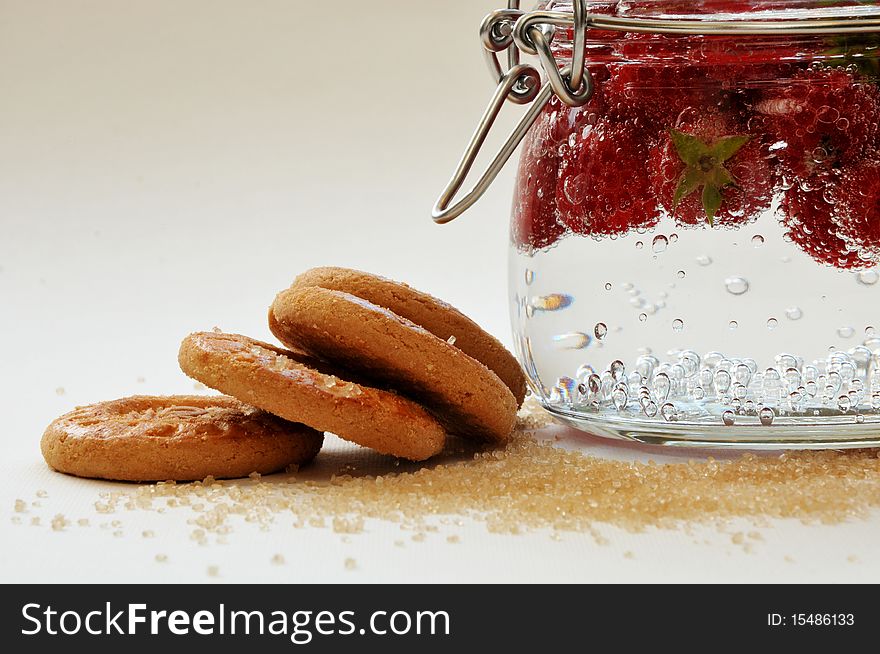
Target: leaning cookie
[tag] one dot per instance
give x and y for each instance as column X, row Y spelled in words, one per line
column 467, row 397
column 282, row 383
column 179, row 438
column 441, row 319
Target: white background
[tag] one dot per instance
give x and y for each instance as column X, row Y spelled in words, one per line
column 167, row 166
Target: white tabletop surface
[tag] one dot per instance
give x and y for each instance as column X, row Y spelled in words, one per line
column 168, row 166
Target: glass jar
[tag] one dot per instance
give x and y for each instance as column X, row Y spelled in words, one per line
column 695, row 250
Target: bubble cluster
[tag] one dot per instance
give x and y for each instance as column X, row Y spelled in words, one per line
column 688, row 386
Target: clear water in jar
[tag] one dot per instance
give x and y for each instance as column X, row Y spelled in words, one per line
column 756, row 326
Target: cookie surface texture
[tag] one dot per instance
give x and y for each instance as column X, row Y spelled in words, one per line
column 280, row 382
column 182, row 438
column 467, row 397
column 441, row 319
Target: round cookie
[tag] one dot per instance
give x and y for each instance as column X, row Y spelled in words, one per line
column 179, row 438
column 467, row 397
column 438, row 317
column 283, row 383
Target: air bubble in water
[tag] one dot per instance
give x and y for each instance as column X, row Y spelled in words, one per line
column 553, row 302
column 677, row 325
column 846, row 332
column 794, row 313
column 757, row 240
column 743, row 374
column 721, row 380
column 608, row 286
column 681, row 274
column 704, row 260
column 772, row 324
column 618, row 371
column 530, row 277
column 868, row 277
column 660, row 244
column 844, row 403
column 639, row 245
column 860, row 419
column 572, row 341
column 729, row 418
column 737, row 285
column 767, row 416
column 643, row 317
column 662, row 386
column 650, row 409
column 668, row 412
column 733, row 324
column 601, row 330
column 620, row 399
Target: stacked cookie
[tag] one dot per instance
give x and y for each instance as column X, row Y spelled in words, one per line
column 371, row 360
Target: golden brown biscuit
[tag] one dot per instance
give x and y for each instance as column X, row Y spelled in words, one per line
column 179, row 438
column 438, row 317
column 346, row 330
column 273, row 379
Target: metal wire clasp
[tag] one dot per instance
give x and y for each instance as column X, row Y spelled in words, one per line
column 515, row 31
column 532, row 33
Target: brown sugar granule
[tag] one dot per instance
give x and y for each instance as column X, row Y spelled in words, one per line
column 531, row 485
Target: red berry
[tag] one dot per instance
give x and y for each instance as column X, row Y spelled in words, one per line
column 709, row 170
column 823, row 119
column 535, row 223
column 807, row 215
column 654, row 94
column 603, row 186
column 856, row 200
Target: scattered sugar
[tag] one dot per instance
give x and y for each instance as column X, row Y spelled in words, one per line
column 213, row 571
column 531, row 485
column 453, row 539
column 350, row 564
column 148, row 533
column 199, row 386
column 533, row 416
column 59, row 522
column 35, row 521
column 42, row 493
column 161, row 558
column 141, row 380
column 348, row 526
column 526, row 486
column 83, row 522
column 451, row 340
column 16, row 520
column 278, row 559
column 852, row 558
column 118, row 533
column 60, row 391
column 20, row 506
column 629, row 555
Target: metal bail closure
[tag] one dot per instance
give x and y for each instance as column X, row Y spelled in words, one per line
column 521, row 84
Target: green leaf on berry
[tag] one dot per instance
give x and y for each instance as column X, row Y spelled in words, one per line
column 704, row 168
